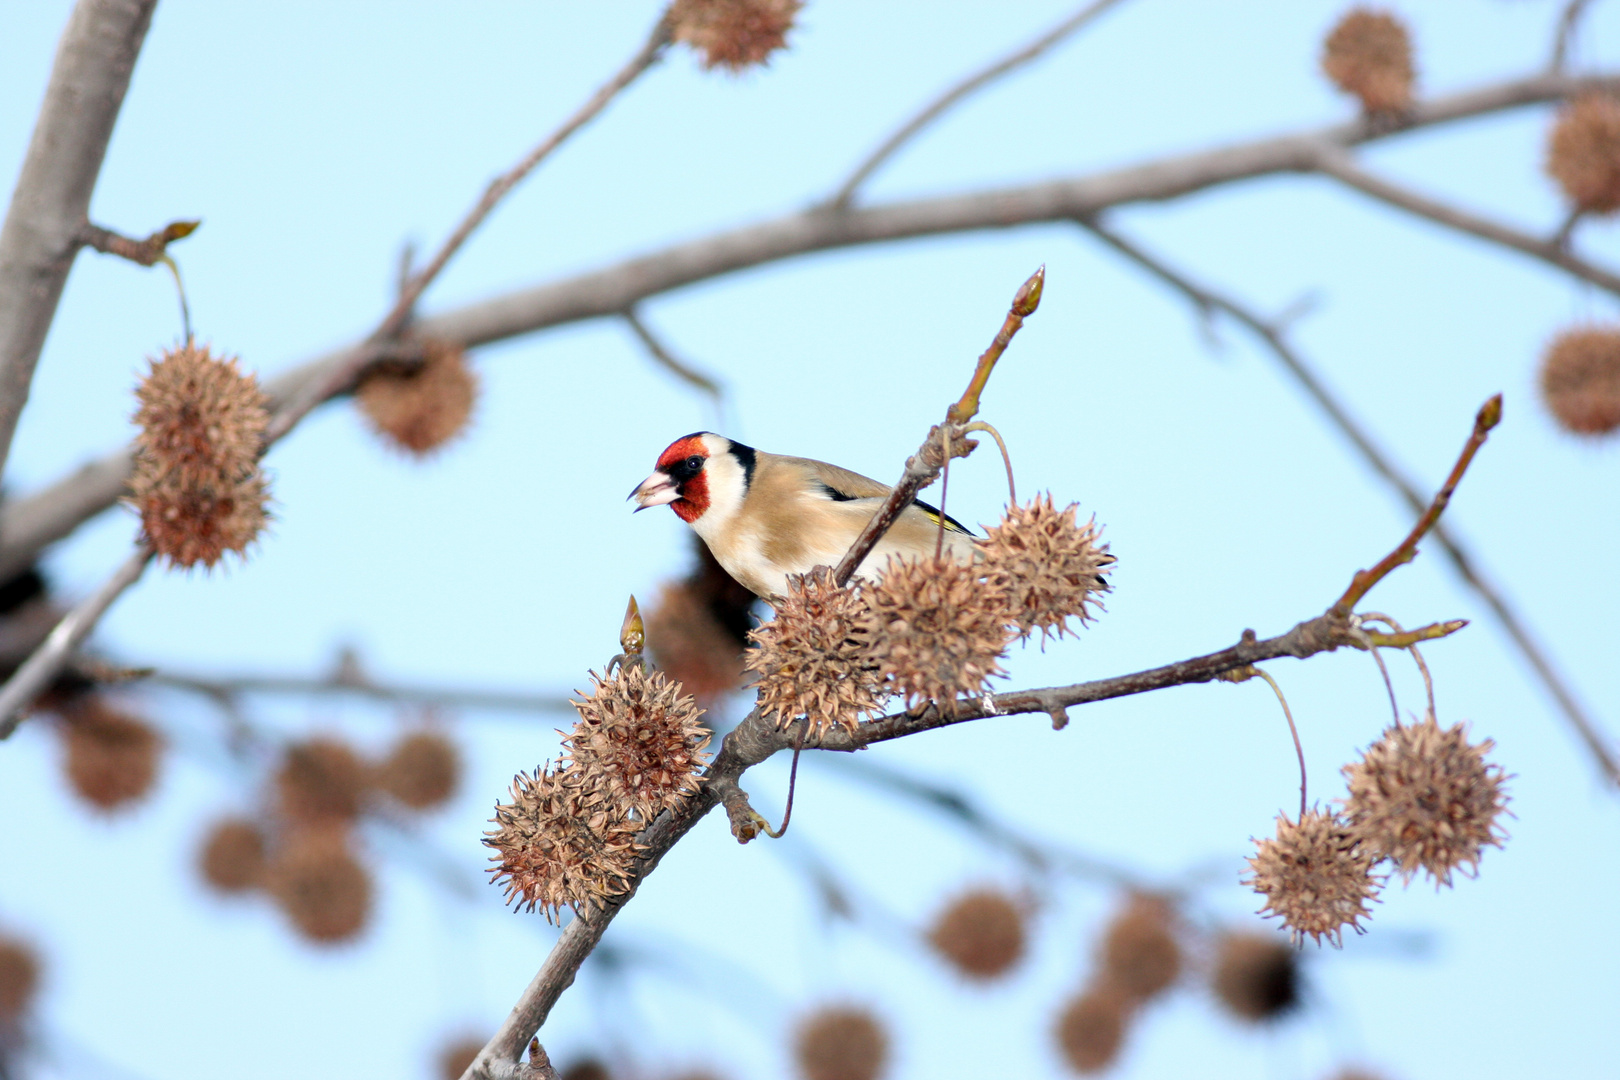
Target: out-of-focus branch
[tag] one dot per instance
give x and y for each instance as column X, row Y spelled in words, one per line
column 1209, row 302
column 28, row 524
column 670, row 362
column 219, row 686
column 143, row 252
column 89, row 78
column 1569, row 21
column 977, row 81
column 1341, row 167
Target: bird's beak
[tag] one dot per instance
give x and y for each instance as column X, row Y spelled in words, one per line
column 657, row 490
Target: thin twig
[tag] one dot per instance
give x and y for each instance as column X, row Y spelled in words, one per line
column 671, row 363
column 1568, row 23
column 297, row 686
column 1299, row 750
column 1507, row 616
column 977, row 81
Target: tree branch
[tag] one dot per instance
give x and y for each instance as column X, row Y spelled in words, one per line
column 670, row 362
column 977, row 81
column 217, row 686
column 40, row 237
column 1208, row 302
column 28, row 524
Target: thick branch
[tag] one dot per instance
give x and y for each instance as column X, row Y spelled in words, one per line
column 27, row 525
column 40, row 236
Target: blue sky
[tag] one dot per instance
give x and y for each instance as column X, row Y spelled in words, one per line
column 314, row 139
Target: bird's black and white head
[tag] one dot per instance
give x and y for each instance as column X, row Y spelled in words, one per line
column 703, row 477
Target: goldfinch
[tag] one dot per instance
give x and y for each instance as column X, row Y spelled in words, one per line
column 765, row 516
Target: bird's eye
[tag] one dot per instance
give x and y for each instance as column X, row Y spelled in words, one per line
column 694, row 463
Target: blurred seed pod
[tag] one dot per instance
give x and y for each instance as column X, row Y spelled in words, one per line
column 1140, row 955
column 1580, row 379
column 196, row 525
column 1048, row 565
column 27, row 617
column 1583, row 153
column 1424, row 798
column 1368, row 54
column 320, row 779
column 319, row 885
column 733, row 34
column 937, row 631
column 422, row 771
column 420, row 409
column 1353, row 1073
column 1316, row 875
column 814, row 658
column 19, row 979
column 454, row 1058
column 980, row 933
column 1091, row 1028
column 841, row 1043
column 232, row 858
column 112, row 757
column 586, row 1069
column 1256, row 976
column 697, row 630
column 639, row 740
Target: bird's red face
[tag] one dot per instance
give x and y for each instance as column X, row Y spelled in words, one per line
column 679, row 480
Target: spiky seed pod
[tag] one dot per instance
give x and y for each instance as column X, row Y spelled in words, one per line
column 733, row 34
column 1316, row 875
column 112, row 757
column 19, row 979
column 1049, row 566
column 813, row 659
column 319, row 884
column 639, row 739
column 421, row 771
column 1353, row 1073
column 200, row 416
column 561, row 842
column 1091, row 1028
column 1369, row 54
column 196, row 524
column 980, row 933
column 1580, row 379
column 586, row 1069
column 937, row 630
column 1583, row 153
column 1424, row 798
column 691, row 645
column 320, row 779
column 454, row 1058
column 232, row 858
column 420, row 410
column 1255, row 977
column 1140, row 954
column 841, row 1043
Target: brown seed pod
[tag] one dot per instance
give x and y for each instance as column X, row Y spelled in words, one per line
column 1256, row 976
column 1091, row 1028
column 691, row 645
column 813, row 658
column 197, row 523
column 320, row 779
column 638, row 739
column 232, row 858
column 1139, row 952
column 200, row 417
column 1316, row 875
column 1424, row 798
column 1583, row 153
column 841, row 1043
column 1580, row 379
column 937, row 630
column 734, row 34
column 980, row 933
column 454, row 1058
column 112, row 757
column 420, row 410
column 421, row 771
column 1369, row 54
column 19, row 979
column 561, row 842
column 319, row 884
column 1050, row 567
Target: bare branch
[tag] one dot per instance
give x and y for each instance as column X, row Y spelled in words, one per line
column 218, row 686
column 1569, row 21
column 40, row 237
column 28, row 524
column 1507, row 616
column 669, row 362
column 144, row 252
column 1339, row 165
column 977, row 81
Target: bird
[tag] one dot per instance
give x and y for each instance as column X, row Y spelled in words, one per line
column 765, row 516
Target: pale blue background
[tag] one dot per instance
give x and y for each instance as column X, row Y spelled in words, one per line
column 314, row 138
